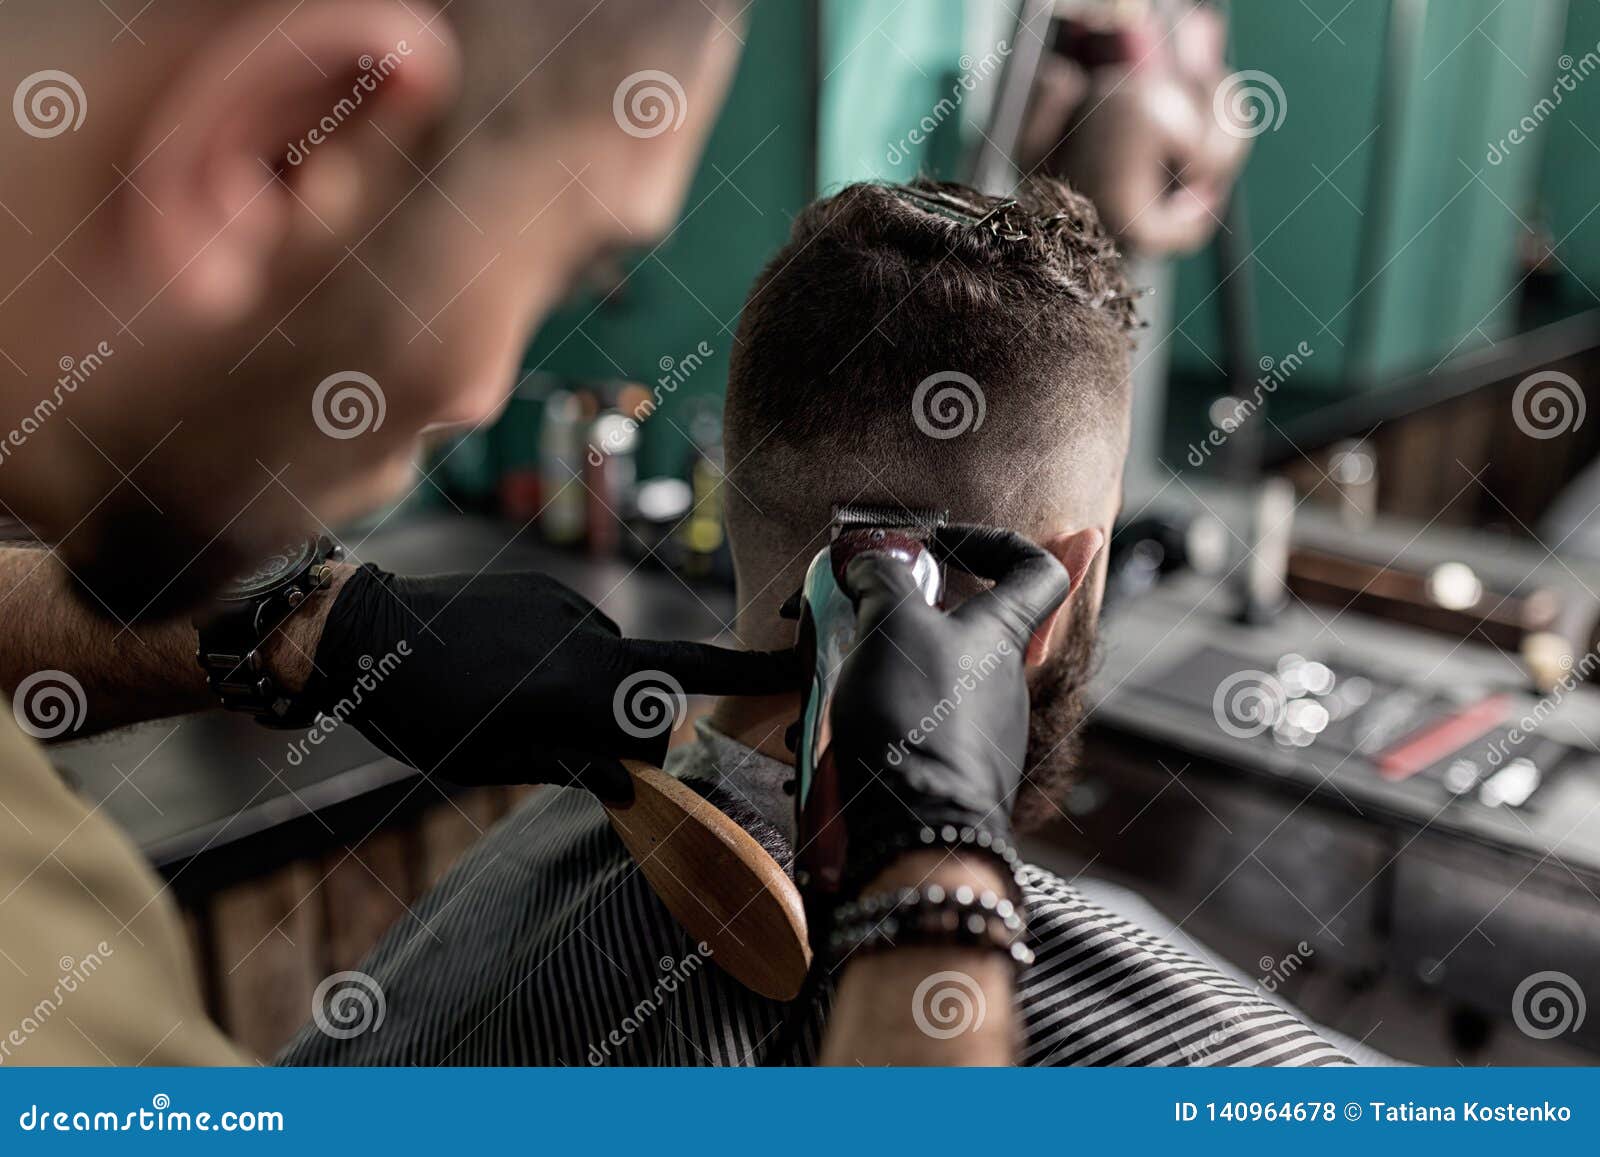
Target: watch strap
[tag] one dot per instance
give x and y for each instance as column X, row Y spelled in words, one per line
column 230, row 646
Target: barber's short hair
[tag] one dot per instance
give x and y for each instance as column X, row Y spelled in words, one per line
column 928, row 345
column 533, row 60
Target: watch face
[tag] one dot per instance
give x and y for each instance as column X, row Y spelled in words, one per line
column 272, row 570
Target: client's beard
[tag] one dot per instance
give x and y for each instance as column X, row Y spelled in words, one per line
column 1056, row 709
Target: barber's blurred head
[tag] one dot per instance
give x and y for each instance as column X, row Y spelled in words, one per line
column 252, row 249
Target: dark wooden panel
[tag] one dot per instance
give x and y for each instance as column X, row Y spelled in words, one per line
column 1428, row 459
column 452, row 827
column 367, row 889
column 262, row 946
column 267, row 950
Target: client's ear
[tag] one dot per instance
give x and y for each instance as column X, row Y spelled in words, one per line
column 1074, row 550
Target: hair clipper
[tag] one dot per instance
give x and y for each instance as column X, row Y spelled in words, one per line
column 827, row 632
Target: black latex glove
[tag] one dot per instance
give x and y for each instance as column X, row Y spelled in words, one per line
column 513, row 678
column 960, row 672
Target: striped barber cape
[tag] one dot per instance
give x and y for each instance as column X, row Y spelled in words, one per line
column 544, row 945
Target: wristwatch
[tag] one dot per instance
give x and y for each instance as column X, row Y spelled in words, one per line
column 245, row 614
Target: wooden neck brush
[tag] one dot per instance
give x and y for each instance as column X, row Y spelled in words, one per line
column 717, row 881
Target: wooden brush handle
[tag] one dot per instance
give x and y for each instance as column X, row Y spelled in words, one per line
column 717, row 881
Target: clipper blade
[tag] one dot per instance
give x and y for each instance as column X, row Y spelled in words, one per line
column 859, row 516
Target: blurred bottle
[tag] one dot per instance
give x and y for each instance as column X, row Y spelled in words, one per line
column 611, row 476
column 516, row 439
column 561, row 464
column 660, row 505
column 1353, row 468
column 701, row 537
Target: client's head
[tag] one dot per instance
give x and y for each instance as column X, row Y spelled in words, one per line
column 926, row 346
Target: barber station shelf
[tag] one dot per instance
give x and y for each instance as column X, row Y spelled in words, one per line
column 717, row 881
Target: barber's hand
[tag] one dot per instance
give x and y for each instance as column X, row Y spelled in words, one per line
column 1143, row 142
column 513, row 678
column 930, row 714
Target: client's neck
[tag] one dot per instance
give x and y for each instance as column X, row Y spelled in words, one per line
column 758, row 721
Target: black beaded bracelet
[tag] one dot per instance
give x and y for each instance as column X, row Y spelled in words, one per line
column 869, row 862
column 930, row 915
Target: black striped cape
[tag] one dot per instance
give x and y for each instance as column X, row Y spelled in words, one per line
column 545, row 946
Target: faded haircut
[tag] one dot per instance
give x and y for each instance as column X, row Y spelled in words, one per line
column 924, row 345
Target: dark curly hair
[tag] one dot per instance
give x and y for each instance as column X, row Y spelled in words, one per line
column 1044, row 240
column 881, row 286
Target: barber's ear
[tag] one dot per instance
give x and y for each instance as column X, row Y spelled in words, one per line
column 268, row 148
column 1074, row 550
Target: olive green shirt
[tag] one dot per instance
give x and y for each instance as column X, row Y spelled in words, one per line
column 95, row 967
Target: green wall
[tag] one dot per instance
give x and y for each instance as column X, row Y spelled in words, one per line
column 1383, row 235
column 890, row 73
column 1570, row 181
